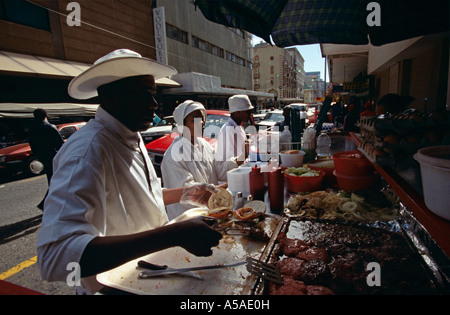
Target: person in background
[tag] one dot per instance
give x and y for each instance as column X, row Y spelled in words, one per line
column 337, row 113
column 190, row 159
column 351, row 119
column 232, row 140
column 303, row 118
column 368, row 109
column 45, row 141
column 287, row 119
column 105, row 205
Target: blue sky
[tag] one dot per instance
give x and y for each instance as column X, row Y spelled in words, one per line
column 311, row 54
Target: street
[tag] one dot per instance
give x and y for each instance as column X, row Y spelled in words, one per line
column 20, row 222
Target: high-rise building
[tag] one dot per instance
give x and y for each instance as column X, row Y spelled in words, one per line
column 279, row 71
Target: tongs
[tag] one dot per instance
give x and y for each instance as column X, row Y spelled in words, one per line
column 254, row 266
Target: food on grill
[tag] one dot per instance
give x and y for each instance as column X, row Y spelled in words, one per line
column 245, row 213
column 314, row 253
column 376, row 206
column 295, row 287
column 335, row 257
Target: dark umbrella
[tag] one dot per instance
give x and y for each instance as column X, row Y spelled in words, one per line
column 299, row 22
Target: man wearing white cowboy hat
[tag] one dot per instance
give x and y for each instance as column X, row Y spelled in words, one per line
column 105, row 204
column 190, row 158
column 231, row 140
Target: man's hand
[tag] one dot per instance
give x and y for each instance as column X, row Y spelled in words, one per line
column 198, row 195
column 197, row 235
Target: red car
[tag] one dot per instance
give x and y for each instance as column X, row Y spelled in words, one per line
column 215, row 119
column 19, row 157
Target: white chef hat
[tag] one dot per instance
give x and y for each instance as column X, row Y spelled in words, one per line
column 239, row 103
column 184, row 109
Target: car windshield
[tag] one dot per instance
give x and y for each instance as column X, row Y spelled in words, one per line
column 274, row 117
column 213, row 124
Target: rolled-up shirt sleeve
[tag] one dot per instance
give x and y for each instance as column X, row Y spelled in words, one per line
column 70, row 222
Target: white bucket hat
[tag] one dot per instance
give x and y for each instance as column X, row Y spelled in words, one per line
column 119, row 64
column 239, row 103
column 184, row 109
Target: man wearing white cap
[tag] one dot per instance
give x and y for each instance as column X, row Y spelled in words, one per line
column 232, row 138
column 190, row 159
column 105, row 204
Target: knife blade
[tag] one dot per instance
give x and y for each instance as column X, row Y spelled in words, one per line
column 155, row 273
column 150, row 266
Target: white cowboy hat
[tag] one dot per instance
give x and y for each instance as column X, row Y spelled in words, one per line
column 239, row 103
column 119, row 64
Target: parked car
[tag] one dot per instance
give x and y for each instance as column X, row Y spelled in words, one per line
column 19, row 157
column 270, row 119
column 162, row 128
column 214, row 121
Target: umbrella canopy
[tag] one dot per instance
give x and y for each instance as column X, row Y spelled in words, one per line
column 300, row 22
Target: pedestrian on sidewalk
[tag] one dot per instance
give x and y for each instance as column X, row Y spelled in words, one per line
column 45, row 141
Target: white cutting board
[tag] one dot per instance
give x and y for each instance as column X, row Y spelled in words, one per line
column 227, row 281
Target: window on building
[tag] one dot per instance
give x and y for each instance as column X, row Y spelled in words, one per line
column 236, row 59
column 205, row 46
column 231, row 56
column 25, row 13
column 177, row 34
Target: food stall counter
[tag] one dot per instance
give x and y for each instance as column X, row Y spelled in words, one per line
column 438, row 228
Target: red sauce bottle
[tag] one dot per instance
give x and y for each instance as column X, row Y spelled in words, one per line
column 257, row 188
column 276, row 190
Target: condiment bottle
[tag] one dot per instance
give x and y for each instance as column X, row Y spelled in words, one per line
column 239, row 201
column 257, row 188
column 276, row 190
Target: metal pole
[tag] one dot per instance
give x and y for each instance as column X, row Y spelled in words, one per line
column 325, row 78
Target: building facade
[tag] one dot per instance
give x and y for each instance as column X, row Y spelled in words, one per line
column 36, row 37
column 213, row 61
column 195, row 44
column 279, row 71
column 45, row 43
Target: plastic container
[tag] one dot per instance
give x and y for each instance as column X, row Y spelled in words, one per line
column 285, row 139
column 257, row 187
column 238, row 180
column 298, row 184
column 327, row 166
column 435, row 170
column 276, row 190
column 352, row 183
column 323, row 146
column 291, row 158
column 352, row 163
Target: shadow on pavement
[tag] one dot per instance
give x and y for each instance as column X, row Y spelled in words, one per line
column 17, row 230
